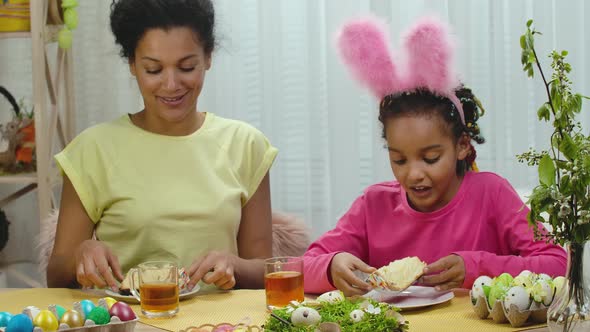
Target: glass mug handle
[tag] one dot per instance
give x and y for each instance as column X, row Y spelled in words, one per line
column 133, row 272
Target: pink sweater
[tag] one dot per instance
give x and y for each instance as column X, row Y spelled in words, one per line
column 485, row 224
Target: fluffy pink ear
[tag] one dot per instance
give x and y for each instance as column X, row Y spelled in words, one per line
column 363, row 48
column 430, row 57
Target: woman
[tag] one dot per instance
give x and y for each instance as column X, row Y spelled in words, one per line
column 168, row 182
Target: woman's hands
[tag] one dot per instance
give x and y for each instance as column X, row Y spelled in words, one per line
column 446, row 273
column 216, row 268
column 96, row 265
column 341, row 269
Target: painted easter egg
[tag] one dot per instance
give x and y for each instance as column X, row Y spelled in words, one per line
column 558, row 284
column 477, row 288
column 5, row 318
column 109, row 301
column 525, row 273
column 123, row 311
column 72, row 318
column 85, row 307
column 504, row 279
column 523, row 280
column 546, row 292
column 99, row 315
column 223, row 328
column 60, row 311
column 304, row 316
column 518, row 296
column 497, row 293
column 46, row 320
column 357, row 315
column 543, row 276
column 540, row 291
column 331, row 297
column 20, row 323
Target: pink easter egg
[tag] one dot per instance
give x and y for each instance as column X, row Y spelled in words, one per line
column 123, row 311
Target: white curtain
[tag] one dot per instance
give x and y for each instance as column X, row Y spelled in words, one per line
column 276, row 68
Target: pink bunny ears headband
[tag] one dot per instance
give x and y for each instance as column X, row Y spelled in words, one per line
column 428, row 49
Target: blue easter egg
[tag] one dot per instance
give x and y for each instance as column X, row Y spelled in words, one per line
column 20, row 323
column 5, row 318
column 87, row 306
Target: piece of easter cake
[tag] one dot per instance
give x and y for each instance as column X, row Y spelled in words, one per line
column 398, row 275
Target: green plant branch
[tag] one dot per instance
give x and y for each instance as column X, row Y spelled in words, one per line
column 564, row 170
column 556, row 155
column 538, row 63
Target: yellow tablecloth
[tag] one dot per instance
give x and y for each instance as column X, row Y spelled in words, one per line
column 249, row 305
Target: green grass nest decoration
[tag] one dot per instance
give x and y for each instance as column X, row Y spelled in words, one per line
column 336, row 316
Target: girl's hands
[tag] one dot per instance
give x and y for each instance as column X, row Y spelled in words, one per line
column 213, row 268
column 343, row 278
column 445, row 274
column 96, row 265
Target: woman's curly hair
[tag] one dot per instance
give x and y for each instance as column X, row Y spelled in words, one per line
column 131, row 19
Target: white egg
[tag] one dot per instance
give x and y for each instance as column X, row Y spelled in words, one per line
column 525, row 273
column 477, row 288
column 542, row 292
column 357, row 315
column 304, row 316
column 544, row 276
column 331, row 297
column 518, row 296
column 524, row 281
column 549, row 297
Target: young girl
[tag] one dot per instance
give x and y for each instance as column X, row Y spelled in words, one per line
column 462, row 223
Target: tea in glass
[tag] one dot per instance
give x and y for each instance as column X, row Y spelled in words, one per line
column 159, row 297
column 158, row 288
column 283, row 281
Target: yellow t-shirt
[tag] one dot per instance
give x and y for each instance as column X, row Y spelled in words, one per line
column 157, row 197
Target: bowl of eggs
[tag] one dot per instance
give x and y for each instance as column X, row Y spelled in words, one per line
column 516, row 300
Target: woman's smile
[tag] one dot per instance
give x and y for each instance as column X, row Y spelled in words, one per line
column 172, row 101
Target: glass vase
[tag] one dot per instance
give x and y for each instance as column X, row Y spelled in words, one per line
column 570, row 309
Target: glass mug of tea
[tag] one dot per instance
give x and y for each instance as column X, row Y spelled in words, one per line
column 283, row 281
column 158, row 288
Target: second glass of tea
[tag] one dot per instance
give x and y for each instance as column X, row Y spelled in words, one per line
column 283, row 281
column 158, row 288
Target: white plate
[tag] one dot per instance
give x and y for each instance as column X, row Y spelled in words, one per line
column 411, row 298
column 131, row 299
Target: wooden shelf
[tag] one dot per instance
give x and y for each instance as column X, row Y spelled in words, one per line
column 49, row 34
column 21, row 178
column 18, row 34
column 53, row 102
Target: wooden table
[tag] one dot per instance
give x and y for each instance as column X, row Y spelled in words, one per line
column 141, row 327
